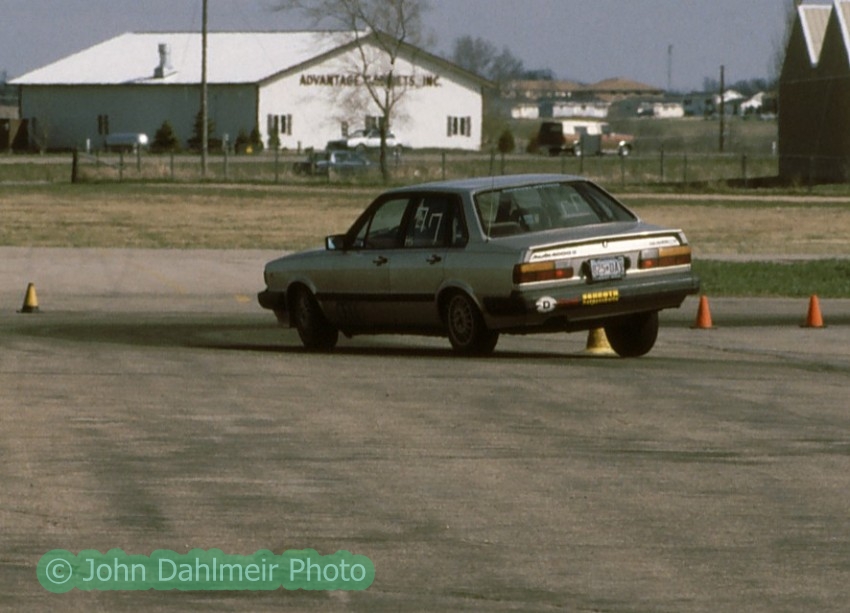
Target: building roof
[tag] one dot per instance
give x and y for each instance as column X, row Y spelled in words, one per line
column 814, row 19
column 842, row 10
column 619, row 84
column 232, row 58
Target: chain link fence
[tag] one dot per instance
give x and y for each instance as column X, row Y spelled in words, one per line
column 410, row 167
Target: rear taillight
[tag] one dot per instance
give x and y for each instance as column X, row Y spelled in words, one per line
column 665, row 256
column 542, row 271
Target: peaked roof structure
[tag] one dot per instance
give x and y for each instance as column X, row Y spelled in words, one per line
column 234, row 57
column 814, row 95
column 813, row 19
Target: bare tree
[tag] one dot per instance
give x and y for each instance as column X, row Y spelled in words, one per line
column 484, row 59
column 381, row 31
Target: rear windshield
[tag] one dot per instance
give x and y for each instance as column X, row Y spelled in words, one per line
column 534, row 208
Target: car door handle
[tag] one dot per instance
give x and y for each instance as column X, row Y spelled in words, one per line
column 434, row 259
column 380, row 260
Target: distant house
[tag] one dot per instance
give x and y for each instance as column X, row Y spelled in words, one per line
column 572, row 99
column 732, row 101
column 661, row 110
column 578, row 108
column 298, row 89
column 814, row 95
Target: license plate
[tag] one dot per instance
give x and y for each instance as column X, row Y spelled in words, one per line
column 603, row 269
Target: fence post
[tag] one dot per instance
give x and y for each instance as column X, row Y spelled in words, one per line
column 443, row 165
column 623, row 170
column 171, row 164
column 226, row 163
column 120, row 166
column 492, row 162
column 685, row 170
column 74, row 163
column 581, row 163
column 744, row 168
column 811, row 173
column 662, row 163
column 277, row 163
column 138, row 159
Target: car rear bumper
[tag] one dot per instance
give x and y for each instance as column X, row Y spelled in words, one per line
column 582, row 306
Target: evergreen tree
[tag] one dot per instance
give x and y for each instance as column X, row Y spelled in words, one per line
column 165, row 140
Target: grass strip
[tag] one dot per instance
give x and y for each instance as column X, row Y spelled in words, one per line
column 825, row 278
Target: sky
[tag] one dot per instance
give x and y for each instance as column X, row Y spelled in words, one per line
column 676, row 43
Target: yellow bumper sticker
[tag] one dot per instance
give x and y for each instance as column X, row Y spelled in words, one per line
column 604, row 297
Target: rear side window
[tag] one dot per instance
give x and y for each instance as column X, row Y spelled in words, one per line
column 548, row 206
column 435, row 221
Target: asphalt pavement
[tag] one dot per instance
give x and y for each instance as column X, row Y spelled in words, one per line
column 151, row 404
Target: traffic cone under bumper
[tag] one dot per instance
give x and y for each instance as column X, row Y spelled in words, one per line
column 814, row 319
column 703, row 320
column 30, row 300
column 597, row 343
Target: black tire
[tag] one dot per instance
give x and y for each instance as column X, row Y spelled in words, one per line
column 316, row 333
column 633, row 336
column 467, row 331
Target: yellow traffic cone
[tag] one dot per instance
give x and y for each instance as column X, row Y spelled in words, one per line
column 597, row 343
column 30, row 300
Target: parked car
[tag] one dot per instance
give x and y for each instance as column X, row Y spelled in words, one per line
column 577, row 137
column 361, row 140
column 472, row 259
column 340, row 161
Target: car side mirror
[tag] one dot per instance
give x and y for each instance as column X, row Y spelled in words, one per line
column 335, row 242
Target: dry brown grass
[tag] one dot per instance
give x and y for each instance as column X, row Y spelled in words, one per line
column 177, row 216
column 295, row 217
column 731, row 225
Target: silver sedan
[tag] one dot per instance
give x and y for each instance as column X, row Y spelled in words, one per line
column 472, row 259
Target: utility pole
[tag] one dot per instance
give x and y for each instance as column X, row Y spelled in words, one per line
column 669, row 68
column 204, row 111
column 722, row 107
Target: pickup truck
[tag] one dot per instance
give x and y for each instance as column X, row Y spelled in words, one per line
column 573, row 137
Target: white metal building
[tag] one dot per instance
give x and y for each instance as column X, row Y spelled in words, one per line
column 307, row 87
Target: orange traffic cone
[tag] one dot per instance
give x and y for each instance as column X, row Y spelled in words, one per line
column 703, row 320
column 30, row 300
column 814, row 319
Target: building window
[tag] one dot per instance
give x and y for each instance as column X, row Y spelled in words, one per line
column 373, row 122
column 459, row 126
column 279, row 124
column 103, row 125
column 286, row 124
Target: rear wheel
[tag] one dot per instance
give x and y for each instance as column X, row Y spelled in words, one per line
column 467, row 331
column 315, row 331
column 634, row 335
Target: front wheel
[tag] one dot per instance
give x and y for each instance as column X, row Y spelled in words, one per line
column 315, row 331
column 467, row 331
column 634, row 335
